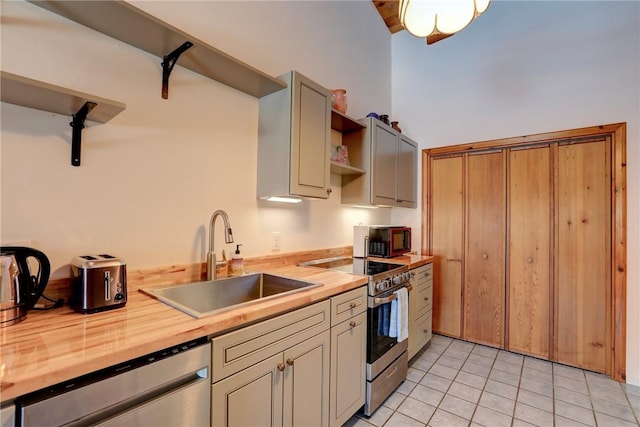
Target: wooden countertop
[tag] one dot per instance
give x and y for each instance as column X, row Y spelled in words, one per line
column 52, row 346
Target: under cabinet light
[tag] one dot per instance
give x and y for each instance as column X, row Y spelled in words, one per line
column 281, row 199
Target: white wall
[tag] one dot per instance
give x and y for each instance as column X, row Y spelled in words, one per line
column 151, row 178
column 532, row 67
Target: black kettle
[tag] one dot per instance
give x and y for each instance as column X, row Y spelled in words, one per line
column 20, row 289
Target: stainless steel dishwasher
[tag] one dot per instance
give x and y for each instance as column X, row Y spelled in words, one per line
column 167, row 388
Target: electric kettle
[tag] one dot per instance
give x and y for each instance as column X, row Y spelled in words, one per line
column 19, row 288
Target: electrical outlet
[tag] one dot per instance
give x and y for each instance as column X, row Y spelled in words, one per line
column 275, row 241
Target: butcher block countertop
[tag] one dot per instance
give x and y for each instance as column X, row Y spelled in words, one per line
column 52, row 346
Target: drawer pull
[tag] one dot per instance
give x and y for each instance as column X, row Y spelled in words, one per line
column 353, row 305
column 393, row 371
column 290, row 362
column 426, row 331
column 529, row 260
column 485, row 256
column 281, row 367
column 426, row 298
column 352, row 323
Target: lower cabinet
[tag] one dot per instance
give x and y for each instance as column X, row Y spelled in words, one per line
column 287, row 389
column 274, row 373
column 420, row 308
column 348, row 355
column 303, row 368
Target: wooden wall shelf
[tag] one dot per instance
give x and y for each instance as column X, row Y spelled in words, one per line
column 342, row 169
column 31, row 93
column 135, row 27
column 343, row 123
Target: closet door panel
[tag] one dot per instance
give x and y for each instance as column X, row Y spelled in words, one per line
column 529, row 279
column 446, row 244
column 583, row 275
column 484, row 274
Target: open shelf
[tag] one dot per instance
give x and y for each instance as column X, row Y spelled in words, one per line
column 343, row 123
column 31, row 93
column 342, row 169
column 127, row 23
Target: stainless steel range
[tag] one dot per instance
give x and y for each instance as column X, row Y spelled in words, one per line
column 387, row 360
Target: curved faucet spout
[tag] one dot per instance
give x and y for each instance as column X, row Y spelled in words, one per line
column 228, row 238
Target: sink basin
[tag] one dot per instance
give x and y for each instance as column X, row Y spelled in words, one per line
column 200, row 299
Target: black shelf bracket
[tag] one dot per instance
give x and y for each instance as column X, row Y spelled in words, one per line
column 168, row 62
column 76, row 135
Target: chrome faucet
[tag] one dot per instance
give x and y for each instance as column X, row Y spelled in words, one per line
column 228, row 238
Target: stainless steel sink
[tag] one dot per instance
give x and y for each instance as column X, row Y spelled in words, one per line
column 200, row 299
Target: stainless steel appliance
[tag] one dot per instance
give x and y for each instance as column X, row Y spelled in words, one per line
column 20, row 288
column 387, row 360
column 99, row 282
column 168, row 388
column 383, row 241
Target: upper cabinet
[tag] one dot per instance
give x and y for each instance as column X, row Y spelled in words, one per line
column 125, row 22
column 294, row 136
column 391, row 162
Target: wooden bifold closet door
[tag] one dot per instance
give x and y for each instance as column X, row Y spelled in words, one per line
column 583, row 252
column 447, row 243
column 524, row 237
column 529, row 255
column 484, row 250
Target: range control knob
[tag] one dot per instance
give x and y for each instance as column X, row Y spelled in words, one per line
column 380, row 286
column 398, row 279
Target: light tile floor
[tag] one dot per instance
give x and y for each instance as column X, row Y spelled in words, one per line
column 457, row 383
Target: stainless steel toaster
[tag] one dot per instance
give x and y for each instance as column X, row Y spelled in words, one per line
column 99, row 282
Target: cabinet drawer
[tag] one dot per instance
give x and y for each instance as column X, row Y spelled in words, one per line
column 422, row 331
column 348, row 304
column 423, row 274
column 424, row 299
column 235, row 351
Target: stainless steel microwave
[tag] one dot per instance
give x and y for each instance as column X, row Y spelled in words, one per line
column 389, row 241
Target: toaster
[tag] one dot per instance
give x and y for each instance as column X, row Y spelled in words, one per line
column 99, row 282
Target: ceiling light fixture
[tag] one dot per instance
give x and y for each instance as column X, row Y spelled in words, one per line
column 439, row 19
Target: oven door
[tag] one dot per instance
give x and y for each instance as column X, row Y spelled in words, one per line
column 379, row 317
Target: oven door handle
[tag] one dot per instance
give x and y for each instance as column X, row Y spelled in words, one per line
column 378, row 301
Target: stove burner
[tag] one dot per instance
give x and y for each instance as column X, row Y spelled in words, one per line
column 382, row 275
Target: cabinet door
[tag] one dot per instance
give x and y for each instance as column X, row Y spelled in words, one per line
column 407, row 184
column 446, row 208
column 420, row 305
column 529, row 255
column 384, row 152
column 348, row 362
column 252, row 397
column 311, row 139
column 306, row 382
column 484, row 274
column 583, row 276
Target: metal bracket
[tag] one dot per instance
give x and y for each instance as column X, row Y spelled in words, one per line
column 76, row 135
column 168, row 62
